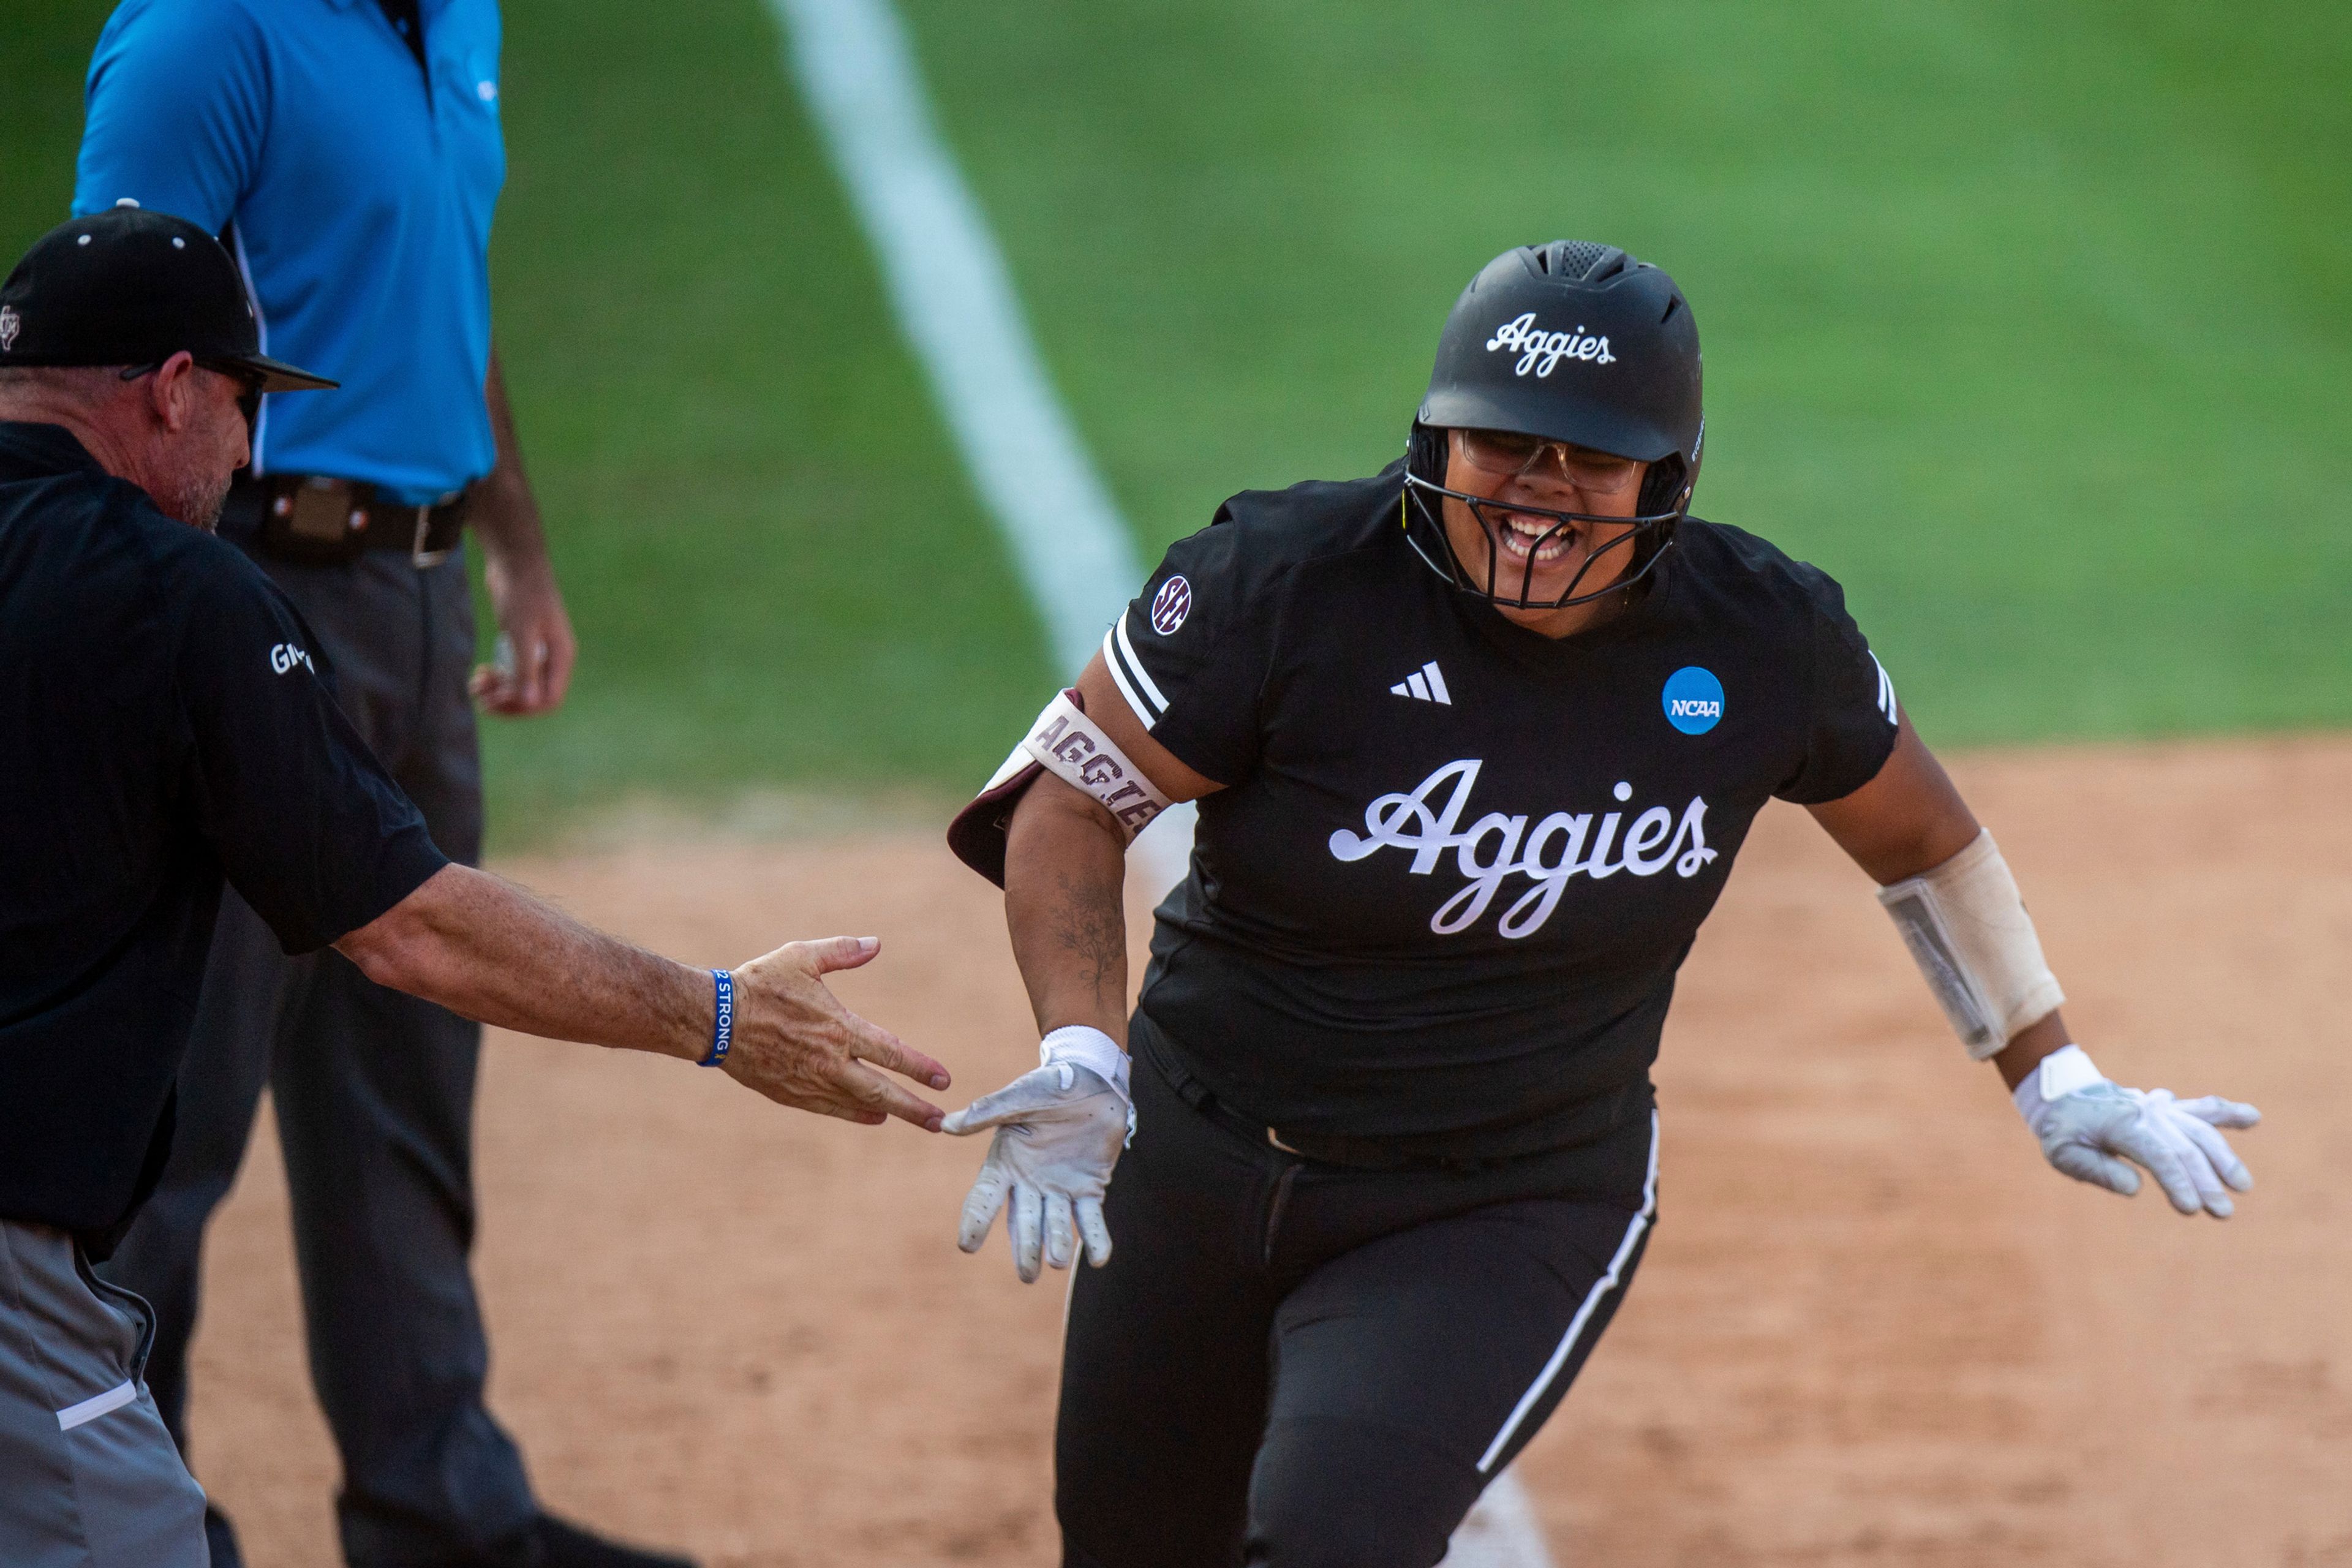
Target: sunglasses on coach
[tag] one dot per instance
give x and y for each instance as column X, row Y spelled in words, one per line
column 248, row 397
column 1507, row 454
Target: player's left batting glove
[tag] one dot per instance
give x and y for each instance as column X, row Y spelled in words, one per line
column 2085, row 1121
column 1059, row 1129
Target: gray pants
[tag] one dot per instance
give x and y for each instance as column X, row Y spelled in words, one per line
column 374, row 1095
column 89, row 1476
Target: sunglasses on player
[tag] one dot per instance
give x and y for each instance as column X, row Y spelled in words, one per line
column 1507, row 454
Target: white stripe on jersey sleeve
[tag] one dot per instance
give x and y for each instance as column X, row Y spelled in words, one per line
column 1887, row 703
column 1113, row 662
column 1134, row 665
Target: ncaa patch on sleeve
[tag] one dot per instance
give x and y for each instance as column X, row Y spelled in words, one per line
column 1694, row 700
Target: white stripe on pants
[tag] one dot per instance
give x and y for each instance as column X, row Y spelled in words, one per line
column 1602, row 1287
column 89, row 1476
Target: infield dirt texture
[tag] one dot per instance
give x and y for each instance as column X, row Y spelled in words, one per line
column 1874, row 1330
column 2032, row 324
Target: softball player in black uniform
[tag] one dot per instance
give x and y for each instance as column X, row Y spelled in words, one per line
column 1476, row 742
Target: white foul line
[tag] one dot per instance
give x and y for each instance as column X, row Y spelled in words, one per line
column 954, row 296
column 955, row 299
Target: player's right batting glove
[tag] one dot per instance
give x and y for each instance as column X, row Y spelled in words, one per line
column 2090, row 1125
column 1059, row 1129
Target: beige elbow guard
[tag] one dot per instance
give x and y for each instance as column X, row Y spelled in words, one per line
column 1967, row 929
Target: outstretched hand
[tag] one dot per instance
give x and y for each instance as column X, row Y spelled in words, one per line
column 1058, row 1131
column 795, row 1043
column 2090, row 1132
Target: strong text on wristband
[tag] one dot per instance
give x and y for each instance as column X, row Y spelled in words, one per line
column 723, row 1023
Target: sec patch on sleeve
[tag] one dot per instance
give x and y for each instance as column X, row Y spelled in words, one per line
column 1172, row 604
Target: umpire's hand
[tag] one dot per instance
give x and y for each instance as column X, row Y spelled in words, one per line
column 796, row 1044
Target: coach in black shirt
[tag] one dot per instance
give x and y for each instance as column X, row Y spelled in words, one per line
column 164, row 725
column 179, row 731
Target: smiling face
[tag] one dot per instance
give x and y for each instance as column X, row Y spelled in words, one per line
column 1535, row 557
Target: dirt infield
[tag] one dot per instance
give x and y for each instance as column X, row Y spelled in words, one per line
column 1873, row 1328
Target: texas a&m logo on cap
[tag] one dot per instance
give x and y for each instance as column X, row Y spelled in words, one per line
column 1173, row 603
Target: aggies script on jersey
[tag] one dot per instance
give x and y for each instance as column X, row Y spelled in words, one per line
column 1444, row 898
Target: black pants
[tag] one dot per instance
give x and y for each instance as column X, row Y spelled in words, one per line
column 1295, row 1364
column 374, row 1094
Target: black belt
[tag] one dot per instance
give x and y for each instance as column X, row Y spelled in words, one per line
column 315, row 520
column 1356, row 1153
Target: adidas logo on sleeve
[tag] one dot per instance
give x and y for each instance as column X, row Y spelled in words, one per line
column 1424, row 685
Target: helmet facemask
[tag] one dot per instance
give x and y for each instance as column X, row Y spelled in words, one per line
column 1665, row 494
column 1571, row 342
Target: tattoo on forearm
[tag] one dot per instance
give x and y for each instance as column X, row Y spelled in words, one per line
column 1088, row 921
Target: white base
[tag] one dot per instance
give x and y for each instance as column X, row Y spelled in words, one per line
column 1501, row 1531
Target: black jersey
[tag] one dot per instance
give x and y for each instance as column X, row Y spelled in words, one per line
column 1443, row 896
column 164, row 724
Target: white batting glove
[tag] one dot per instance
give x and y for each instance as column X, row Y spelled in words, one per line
column 2085, row 1121
column 1059, row 1129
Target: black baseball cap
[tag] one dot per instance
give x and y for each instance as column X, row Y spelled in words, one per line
column 133, row 287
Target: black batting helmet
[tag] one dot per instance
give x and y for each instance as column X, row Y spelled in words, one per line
column 1570, row 342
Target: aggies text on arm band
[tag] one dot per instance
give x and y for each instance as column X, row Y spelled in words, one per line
column 1073, row 748
column 1968, row 930
column 722, row 1018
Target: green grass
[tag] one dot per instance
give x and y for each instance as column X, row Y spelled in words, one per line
column 778, row 574
column 2032, row 324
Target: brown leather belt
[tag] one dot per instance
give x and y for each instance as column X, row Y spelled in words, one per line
column 316, row 521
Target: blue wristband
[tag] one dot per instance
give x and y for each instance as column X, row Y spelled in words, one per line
column 722, row 1024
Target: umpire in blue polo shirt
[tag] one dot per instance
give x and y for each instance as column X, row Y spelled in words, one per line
column 349, row 153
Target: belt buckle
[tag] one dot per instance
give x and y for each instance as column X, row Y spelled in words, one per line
column 418, row 556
